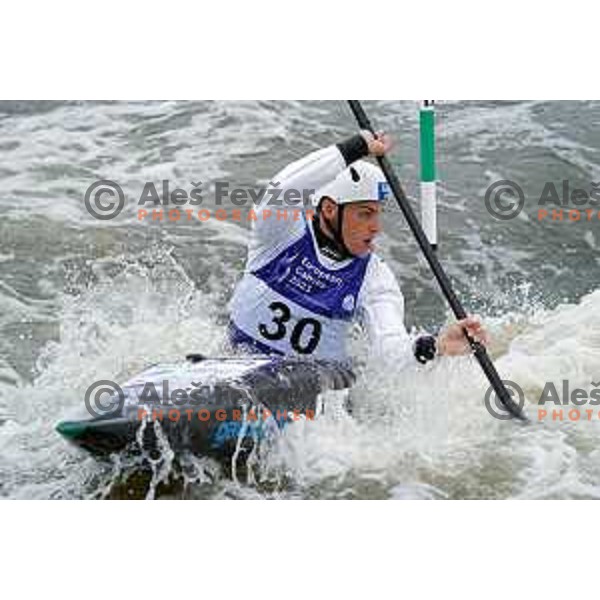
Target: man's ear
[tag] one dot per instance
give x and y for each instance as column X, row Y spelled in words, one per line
column 328, row 207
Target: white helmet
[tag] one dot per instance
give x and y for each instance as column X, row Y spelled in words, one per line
column 360, row 182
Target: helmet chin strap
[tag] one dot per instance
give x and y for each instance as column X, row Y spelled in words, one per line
column 335, row 230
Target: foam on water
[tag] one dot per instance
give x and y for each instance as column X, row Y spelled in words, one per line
column 426, row 432
column 108, row 332
column 422, row 433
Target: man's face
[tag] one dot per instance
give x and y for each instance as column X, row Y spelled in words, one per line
column 360, row 226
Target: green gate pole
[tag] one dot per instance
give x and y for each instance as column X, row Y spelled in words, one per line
column 428, row 182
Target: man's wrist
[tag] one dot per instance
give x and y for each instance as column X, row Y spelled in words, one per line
column 354, row 148
column 441, row 344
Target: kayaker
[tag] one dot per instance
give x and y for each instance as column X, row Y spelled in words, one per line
column 307, row 280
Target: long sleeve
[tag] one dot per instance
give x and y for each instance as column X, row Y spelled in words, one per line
column 303, row 176
column 381, row 313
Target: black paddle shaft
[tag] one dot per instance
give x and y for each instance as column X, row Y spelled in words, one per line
column 459, row 312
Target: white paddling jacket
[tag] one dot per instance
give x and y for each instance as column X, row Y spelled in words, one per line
column 294, row 300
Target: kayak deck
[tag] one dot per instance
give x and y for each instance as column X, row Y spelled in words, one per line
column 205, row 405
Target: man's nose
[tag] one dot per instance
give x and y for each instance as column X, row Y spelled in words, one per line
column 376, row 225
